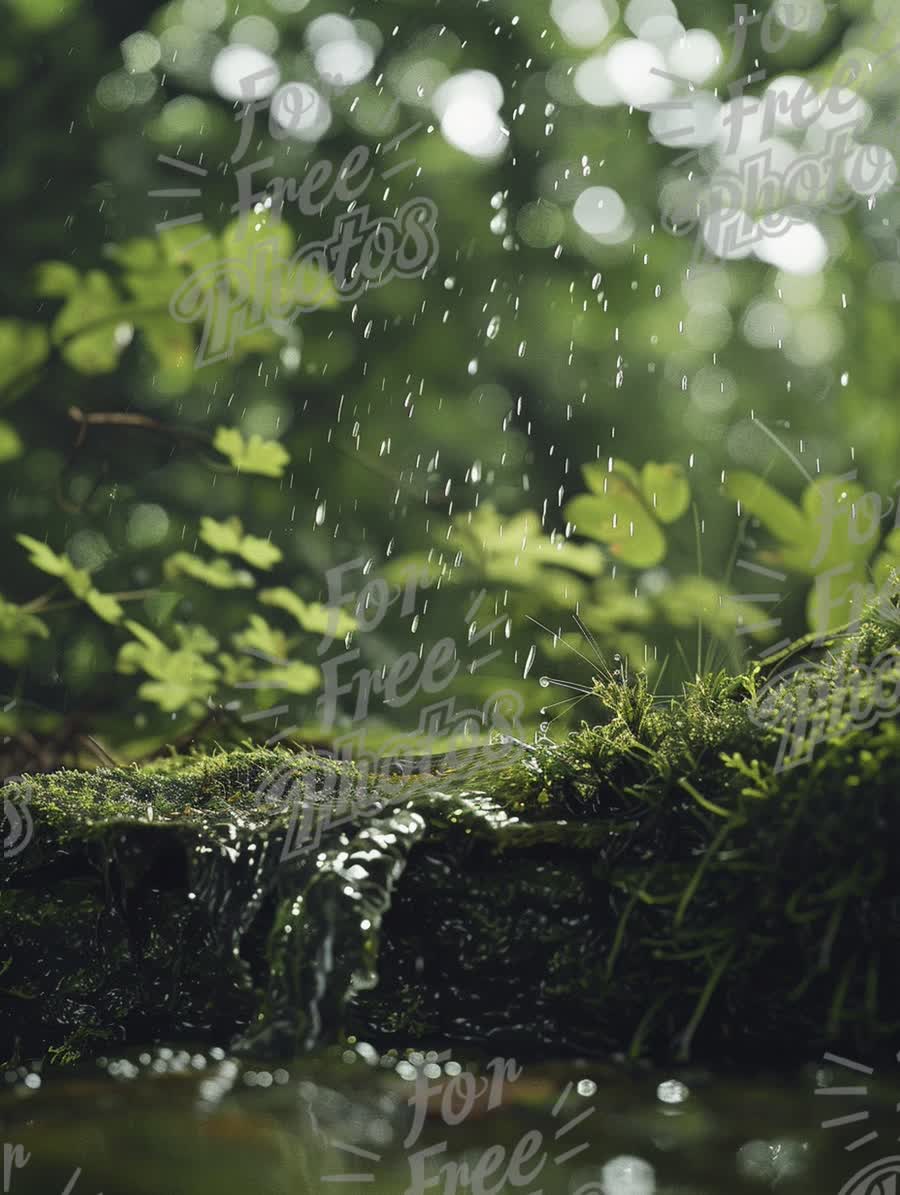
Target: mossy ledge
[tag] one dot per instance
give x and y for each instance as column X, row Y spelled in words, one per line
column 656, row 885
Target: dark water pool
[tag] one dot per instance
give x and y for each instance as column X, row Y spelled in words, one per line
column 355, row 1119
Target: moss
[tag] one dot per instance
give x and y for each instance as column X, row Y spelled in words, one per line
column 662, row 883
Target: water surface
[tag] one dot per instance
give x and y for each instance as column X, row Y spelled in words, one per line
column 355, row 1118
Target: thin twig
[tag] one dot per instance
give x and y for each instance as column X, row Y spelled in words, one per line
column 133, row 419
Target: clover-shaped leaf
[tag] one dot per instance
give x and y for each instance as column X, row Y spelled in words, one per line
column 619, row 518
column 194, row 638
column 43, row 557
column 217, row 573
column 86, row 325
column 262, row 640
column 510, row 550
column 229, row 537
column 666, row 489
column 312, row 616
column 597, row 474
column 625, row 508
column 180, row 677
column 223, row 537
column 78, row 579
column 256, row 455
column 296, row 677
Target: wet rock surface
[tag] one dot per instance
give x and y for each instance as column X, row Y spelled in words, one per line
column 654, row 886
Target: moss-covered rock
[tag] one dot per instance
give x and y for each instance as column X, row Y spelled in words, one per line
column 711, row 875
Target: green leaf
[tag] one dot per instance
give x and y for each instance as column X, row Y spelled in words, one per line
column 884, row 565
column 295, row 677
column 77, row 579
column 140, row 253
column 259, row 552
column 229, row 537
column 191, row 245
column 169, row 695
column 666, row 490
column 169, row 340
column 312, row 616
column 44, row 558
column 690, row 600
column 597, row 474
column 195, row 638
column 147, row 638
column 621, row 520
column 581, row 558
column 16, row 627
column 888, row 561
column 11, row 445
column 104, row 606
column 256, row 455
column 310, row 287
column 154, row 288
column 615, row 607
column 179, row 678
column 236, row 672
column 222, row 537
column 779, row 515
column 258, row 248
column 845, row 525
column 23, row 348
column 838, row 598
column 55, row 279
column 86, row 326
column 262, row 639
column 506, row 550
column 43, row 15
column 255, row 245
column 172, row 344
column 161, row 605
column 218, row 573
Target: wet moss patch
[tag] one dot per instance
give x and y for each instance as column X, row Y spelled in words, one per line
column 664, row 884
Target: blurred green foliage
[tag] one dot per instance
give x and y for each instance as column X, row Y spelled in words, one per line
column 551, row 429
